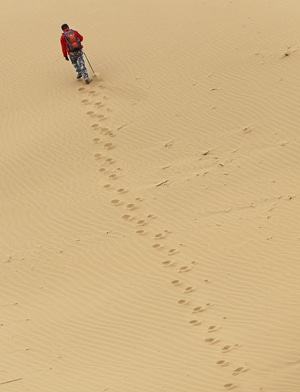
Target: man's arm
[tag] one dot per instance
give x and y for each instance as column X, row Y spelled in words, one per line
column 63, row 46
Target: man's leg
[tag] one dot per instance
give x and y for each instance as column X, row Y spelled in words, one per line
column 76, row 65
column 82, row 67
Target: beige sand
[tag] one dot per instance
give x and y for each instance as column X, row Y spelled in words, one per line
column 150, row 221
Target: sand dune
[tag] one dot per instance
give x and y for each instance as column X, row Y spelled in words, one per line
column 150, row 235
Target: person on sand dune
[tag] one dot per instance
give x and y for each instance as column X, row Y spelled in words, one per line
column 71, row 46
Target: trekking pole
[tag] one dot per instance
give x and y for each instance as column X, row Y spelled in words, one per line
column 88, row 62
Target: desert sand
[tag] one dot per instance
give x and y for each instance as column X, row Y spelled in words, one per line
column 150, row 234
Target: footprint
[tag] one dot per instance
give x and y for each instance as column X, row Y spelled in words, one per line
column 98, row 104
column 239, row 370
column 223, row 363
column 184, row 269
column 168, row 263
column 113, row 176
column 92, row 92
column 126, row 217
column 95, row 126
column 102, row 169
column 172, row 252
column 121, row 190
column 199, row 309
column 85, row 101
column 98, row 156
column 229, row 387
column 107, row 186
column 189, row 289
column 115, row 202
column 90, row 113
column 140, row 232
column 131, row 207
column 141, row 222
column 195, row 322
column 157, row 246
column 211, row 341
column 228, row 348
column 101, row 117
column 176, row 282
column 81, row 89
column 104, row 130
column 183, row 302
column 109, row 160
column 213, row 328
column 108, row 146
column 158, row 236
column 109, row 133
column 97, row 140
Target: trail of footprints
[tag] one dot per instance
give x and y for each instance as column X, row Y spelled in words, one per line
column 98, row 113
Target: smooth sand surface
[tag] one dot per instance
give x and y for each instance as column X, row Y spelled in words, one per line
column 149, row 236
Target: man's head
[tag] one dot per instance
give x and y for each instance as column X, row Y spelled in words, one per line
column 64, row 26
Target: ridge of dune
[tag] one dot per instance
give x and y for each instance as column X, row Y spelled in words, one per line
column 150, row 235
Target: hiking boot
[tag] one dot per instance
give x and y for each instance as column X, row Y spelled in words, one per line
column 88, row 80
column 79, row 76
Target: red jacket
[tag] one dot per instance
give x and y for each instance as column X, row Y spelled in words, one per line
column 63, row 43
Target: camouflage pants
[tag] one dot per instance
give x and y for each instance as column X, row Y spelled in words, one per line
column 78, row 63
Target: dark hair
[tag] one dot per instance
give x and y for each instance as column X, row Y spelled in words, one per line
column 64, row 26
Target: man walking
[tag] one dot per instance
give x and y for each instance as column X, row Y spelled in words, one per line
column 71, row 46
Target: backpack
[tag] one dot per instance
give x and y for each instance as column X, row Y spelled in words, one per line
column 72, row 41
